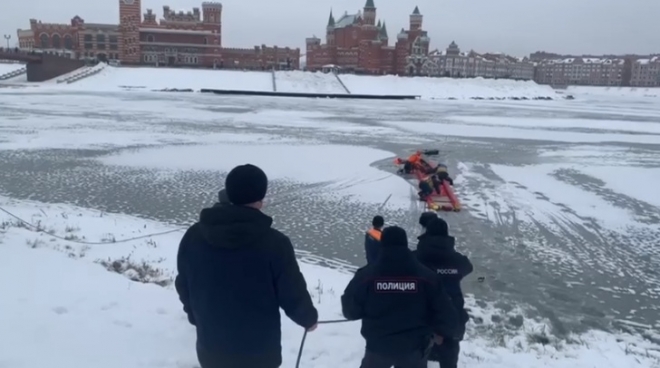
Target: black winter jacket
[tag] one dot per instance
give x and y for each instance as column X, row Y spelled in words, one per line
column 437, row 253
column 401, row 304
column 234, row 274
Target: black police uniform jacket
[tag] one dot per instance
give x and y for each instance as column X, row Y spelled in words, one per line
column 234, row 274
column 401, row 304
column 438, row 253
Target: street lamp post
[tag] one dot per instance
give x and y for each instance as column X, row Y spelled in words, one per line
column 7, row 38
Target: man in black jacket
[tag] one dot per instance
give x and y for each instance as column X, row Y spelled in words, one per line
column 436, row 251
column 372, row 239
column 235, row 273
column 401, row 304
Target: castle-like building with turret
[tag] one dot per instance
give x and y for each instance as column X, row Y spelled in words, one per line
column 187, row 39
column 357, row 43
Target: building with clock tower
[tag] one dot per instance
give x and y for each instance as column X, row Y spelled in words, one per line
column 129, row 31
column 179, row 39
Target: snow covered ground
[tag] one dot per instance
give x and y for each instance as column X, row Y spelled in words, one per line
column 307, row 82
column 114, row 79
column 75, row 276
column 149, row 79
column 9, row 67
column 444, row 88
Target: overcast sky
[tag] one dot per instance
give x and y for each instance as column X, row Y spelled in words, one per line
column 517, row 27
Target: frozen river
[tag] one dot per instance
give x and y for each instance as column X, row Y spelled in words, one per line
column 559, row 214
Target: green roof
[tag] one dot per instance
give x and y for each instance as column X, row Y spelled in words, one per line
column 416, row 11
column 370, row 4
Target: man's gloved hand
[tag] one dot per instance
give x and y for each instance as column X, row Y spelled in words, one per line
column 437, row 339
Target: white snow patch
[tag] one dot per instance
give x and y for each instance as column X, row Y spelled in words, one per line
column 346, row 168
column 307, row 82
column 444, row 88
column 56, row 295
column 147, row 79
column 139, row 78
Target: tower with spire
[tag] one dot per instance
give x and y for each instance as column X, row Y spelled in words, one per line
column 416, row 20
column 360, row 42
column 369, row 13
column 330, row 30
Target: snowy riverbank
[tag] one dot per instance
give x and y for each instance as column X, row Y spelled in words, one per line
column 67, row 291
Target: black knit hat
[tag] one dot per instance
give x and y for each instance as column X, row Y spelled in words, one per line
column 426, row 217
column 394, row 236
column 246, row 184
column 437, row 226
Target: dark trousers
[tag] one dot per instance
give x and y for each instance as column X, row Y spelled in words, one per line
column 373, row 360
column 210, row 360
column 447, row 353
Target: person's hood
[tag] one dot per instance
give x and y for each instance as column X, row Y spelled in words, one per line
column 435, row 246
column 230, row 226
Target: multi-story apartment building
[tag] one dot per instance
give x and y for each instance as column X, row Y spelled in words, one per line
column 581, row 71
column 192, row 38
column 355, row 42
column 645, row 72
column 456, row 64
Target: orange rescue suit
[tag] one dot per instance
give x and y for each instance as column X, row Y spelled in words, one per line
column 415, row 158
column 374, row 234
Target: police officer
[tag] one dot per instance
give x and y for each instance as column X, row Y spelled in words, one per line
column 401, row 304
column 436, row 251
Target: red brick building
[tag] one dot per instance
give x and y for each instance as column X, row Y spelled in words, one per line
column 192, row 38
column 355, row 42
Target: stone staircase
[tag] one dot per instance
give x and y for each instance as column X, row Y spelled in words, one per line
column 13, row 74
column 86, row 71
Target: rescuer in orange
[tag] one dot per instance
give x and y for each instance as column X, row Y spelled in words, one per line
column 372, row 239
column 412, row 163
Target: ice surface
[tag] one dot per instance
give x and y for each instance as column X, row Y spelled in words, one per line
column 458, row 129
column 561, row 124
column 538, row 179
column 346, row 169
column 618, row 92
column 637, row 182
column 75, row 313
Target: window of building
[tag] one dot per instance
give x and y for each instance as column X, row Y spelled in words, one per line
column 151, row 38
column 56, row 41
column 68, row 42
column 45, row 42
column 89, row 42
column 113, row 43
column 100, row 38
